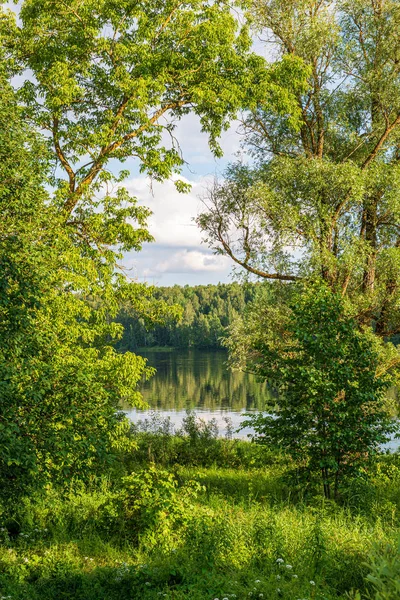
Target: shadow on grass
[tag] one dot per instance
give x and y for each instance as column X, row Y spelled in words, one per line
column 259, row 485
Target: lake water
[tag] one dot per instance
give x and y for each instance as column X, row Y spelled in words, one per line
column 199, row 380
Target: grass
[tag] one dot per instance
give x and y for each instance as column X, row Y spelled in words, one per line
column 177, row 530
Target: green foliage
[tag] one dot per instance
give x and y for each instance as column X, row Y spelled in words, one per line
column 205, row 313
column 111, row 80
column 331, row 413
column 197, row 533
column 61, row 379
column 385, row 572
column 153, row 500
column 322, row 200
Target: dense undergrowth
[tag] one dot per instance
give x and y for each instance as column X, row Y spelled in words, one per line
column 194, row 517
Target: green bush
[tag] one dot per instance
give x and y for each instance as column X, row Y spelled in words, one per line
column 385, row 572
column 196, row 443
column 153, row 499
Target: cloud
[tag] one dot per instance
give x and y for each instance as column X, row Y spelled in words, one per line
column 172, row 223
column 178, row 256
column 188, row 261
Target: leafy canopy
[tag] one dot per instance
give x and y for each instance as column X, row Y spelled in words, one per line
column 112, row 78
column 61, row 379
column 322, row 200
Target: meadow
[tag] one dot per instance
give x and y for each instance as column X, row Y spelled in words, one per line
column 192, row 516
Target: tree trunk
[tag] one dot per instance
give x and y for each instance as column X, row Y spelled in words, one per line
column 327, row 487
column 336, row 488
column 370, row 219
column 382, row 327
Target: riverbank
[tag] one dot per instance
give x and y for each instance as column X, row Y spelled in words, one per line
column 199, row 518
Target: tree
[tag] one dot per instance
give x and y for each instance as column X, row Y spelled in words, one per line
column 61, row 379
column 331, row 416
column 110, row 80
column 322, row 200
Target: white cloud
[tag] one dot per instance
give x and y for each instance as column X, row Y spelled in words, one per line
column 177, row 255
column 172, row 221
column 188, row 261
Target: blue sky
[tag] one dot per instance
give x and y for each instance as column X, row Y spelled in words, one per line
column 178, row 256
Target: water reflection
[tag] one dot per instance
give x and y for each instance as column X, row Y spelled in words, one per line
column 200, row 380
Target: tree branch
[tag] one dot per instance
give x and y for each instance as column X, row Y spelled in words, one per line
column 380, row 142
column 245, row 264
column 61, row 156
column 107, row 150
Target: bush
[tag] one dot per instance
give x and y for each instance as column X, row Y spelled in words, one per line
column 153, row 499
column 196, row 444
column 385, row 573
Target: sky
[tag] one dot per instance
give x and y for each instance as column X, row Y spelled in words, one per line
column 178, row 255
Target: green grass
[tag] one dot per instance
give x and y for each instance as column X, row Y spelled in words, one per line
column 204, row 531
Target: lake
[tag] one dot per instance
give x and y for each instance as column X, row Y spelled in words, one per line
column 199, row 380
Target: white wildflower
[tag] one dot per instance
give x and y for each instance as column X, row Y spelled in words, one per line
column 312, row 582
column 280, row 561
column 289, row 567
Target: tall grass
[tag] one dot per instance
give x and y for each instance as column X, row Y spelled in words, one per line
column 188, row 525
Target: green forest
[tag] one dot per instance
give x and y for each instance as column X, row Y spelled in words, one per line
column 92, row 94
column 201, row 317
column 204, row 314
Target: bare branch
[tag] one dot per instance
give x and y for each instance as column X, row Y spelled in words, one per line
column 245, row 264
column 381, row 142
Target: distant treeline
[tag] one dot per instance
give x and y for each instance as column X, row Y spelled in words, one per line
column 206, row 312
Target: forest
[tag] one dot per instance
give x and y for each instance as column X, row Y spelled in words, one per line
column 202, row 317
column 96, row 507
column 205, row 314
